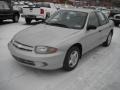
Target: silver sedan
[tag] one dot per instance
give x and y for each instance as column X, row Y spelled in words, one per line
column 62, row 40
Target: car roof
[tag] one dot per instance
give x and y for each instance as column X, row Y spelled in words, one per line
column 80, row 9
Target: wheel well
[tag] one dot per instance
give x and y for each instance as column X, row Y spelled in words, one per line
column 111, row 31
column 47, row 14
column 17, row 14
column 78, row 45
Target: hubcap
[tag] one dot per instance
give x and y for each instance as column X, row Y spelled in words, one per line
column 73, row 58
column 109, row 39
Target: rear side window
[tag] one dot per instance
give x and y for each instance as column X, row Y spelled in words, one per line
column 4, row 5
column 102, row 18
column 93, row 20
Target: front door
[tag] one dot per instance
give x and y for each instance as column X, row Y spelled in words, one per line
column 92, row 37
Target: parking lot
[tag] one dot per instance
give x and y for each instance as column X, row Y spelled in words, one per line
column 99, row 69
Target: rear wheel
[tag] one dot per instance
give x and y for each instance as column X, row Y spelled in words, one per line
column 71, row 59
column 116, row 24
column 108, row 41
column 1, row 21
column 15, row 18
column 28, row 21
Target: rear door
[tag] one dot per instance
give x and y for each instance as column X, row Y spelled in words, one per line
column 104, row 25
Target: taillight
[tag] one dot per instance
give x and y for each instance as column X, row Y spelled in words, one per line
column 41, row 11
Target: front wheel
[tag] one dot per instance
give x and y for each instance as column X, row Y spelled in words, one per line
column 108, row 41
column 28, row 21
column 71, row 59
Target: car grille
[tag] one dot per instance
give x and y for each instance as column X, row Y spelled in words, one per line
column 24, row 61
column 117, row 17
column 22, row 46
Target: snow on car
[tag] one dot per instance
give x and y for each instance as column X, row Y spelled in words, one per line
column 61, row 42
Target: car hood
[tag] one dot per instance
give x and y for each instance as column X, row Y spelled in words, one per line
column 43, row 35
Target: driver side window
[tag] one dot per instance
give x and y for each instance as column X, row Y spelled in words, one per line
column 4, row 5
column 93, row 20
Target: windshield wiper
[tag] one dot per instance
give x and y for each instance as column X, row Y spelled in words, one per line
column 58, row 24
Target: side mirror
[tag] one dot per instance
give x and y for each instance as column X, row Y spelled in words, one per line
column 91, row 27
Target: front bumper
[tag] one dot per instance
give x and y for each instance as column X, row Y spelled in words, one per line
column 31, row 59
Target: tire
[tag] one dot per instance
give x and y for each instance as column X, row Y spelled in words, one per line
column 116, row 24
column 28, row 21
column 47, row 16
column 15, row 18
column 43, row 20
column 108, row 41
column 1, row 21
column 72, row 57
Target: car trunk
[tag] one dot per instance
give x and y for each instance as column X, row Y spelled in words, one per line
column 31, row 11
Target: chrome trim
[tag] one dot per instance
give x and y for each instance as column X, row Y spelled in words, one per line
column 22, row 46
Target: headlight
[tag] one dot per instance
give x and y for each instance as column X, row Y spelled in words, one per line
column 45, row 50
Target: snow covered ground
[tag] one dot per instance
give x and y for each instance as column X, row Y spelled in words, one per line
column 98, row 69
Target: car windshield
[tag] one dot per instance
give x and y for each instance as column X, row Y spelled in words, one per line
column 68, row 19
